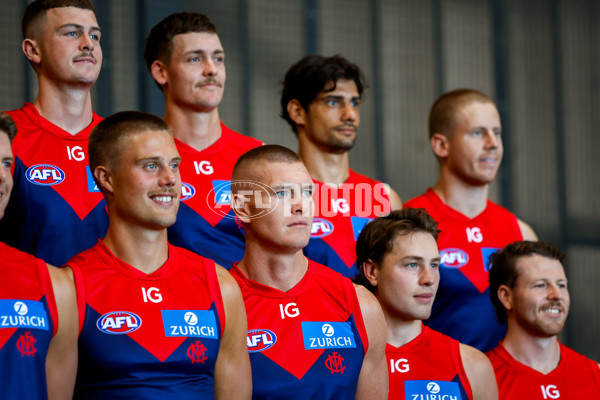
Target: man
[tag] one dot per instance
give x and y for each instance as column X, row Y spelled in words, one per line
column 56, row 210
column 465, row 136
column 399, row 262
column 320, row 101
column 38, row 355
column 528, row 288
column 187, row 61
column 157, row 321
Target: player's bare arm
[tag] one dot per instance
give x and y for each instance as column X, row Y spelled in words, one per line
column 373, row 380
column 527, row 231
column 480, row 373
column 395, row 200
column 61, row 362
column 233, row 379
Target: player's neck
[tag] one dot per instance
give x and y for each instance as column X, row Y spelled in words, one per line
column 541, row 354
column 276, row 270
column 330, row 168
column 197, row 130
column 144, row 249
column 68, row 108
column 400, row 332
column 469, row 200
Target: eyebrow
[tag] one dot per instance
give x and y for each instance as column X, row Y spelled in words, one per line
column 78, row 26
column 420, row 259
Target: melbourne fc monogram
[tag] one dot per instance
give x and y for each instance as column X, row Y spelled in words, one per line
column 26, row 345
column 334, row 363
column 196, row 352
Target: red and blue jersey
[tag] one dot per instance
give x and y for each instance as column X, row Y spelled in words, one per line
column 430, row 364
column 575, row 377
column 462, row 308
column 308, row 342
column 55, row 210
column 147, row 335
column 28, row 321
column 205, row 222
column 340, row 215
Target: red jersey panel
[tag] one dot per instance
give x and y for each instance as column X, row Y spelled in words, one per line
column 308, row 342
column 55, row 210
column 205, row 223
column 147, row 335
column 431, row 358
column 462, row 308
column 340, row 215
column 575, row 377
column 28, row 321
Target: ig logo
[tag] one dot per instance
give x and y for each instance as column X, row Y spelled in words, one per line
column 550, row 392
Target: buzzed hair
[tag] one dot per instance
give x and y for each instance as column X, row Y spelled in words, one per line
column 8, row 126
column 36, row 12
column 106, row 139
column 377, row 238
column 274, row 153
column 504, row 271
column 442, row 117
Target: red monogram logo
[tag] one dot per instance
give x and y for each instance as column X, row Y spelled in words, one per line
column 196, row 352
column 334, row 363
column 26, row 345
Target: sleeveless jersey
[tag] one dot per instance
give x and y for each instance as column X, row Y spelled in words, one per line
column 28, row 321
column 55, row 210
column 428, row 364
column 147, row 336
column 340, row 215
column 308, row 342
column 462, row 308
column 575, row 377
column 205, row 222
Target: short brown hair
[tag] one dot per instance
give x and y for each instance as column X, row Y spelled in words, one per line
column 37, row 9
column 503, row 270
column 442, row 116
column 377, row 238
column 8, row 126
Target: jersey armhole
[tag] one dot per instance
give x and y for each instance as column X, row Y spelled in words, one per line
column 455, row 346
column 356, row 312
column 46, row 281
column 215, row 291
column 80, row 289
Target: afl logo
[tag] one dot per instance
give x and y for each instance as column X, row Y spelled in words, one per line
column 119, row 322
column 187, row 191
column 260, row 340
column 45, row 175
column 454, row 258
column 320, row 228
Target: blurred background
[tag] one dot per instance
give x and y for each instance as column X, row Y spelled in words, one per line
column 538, row 59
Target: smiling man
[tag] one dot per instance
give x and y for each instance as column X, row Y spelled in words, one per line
column 312, row 333
column 56, row 211
column 465, row 136
column 320, row 100
column 529, row 290
column 399, row 262
column 157, row 321
column 187, row 61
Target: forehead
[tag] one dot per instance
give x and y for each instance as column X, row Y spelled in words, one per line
column 5, row 149
column 60, row 16
column 419, row 244
column 346, row 87
column 478, row 113
column 535, row 267
column 279, row 173
column 149, row 143
column 196, row 41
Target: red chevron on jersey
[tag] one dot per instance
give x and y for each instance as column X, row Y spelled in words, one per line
column 431, row 356
column 206, row 174
column 466, row 243
column 340, row 215
column 140, row 306
column 575, row 377
column 55, row 158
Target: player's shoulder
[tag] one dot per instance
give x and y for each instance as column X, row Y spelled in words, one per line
column 424, row 200
column 15, row 258
column 236, row 140
column 355, row 177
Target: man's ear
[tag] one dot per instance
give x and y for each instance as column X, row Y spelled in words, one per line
column 440, row 145
column 505, row 296
column 296, row 112
column 31, row 50
column 103, row 178
column 240, row 204
column 371, row 271
column 159, row 72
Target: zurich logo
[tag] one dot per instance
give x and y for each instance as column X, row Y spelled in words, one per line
column 119, row 322
column 44, row 175
column 433, row 387
column 320, row 228
column 260, row 340
column 187, row 191
column 454, row 258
